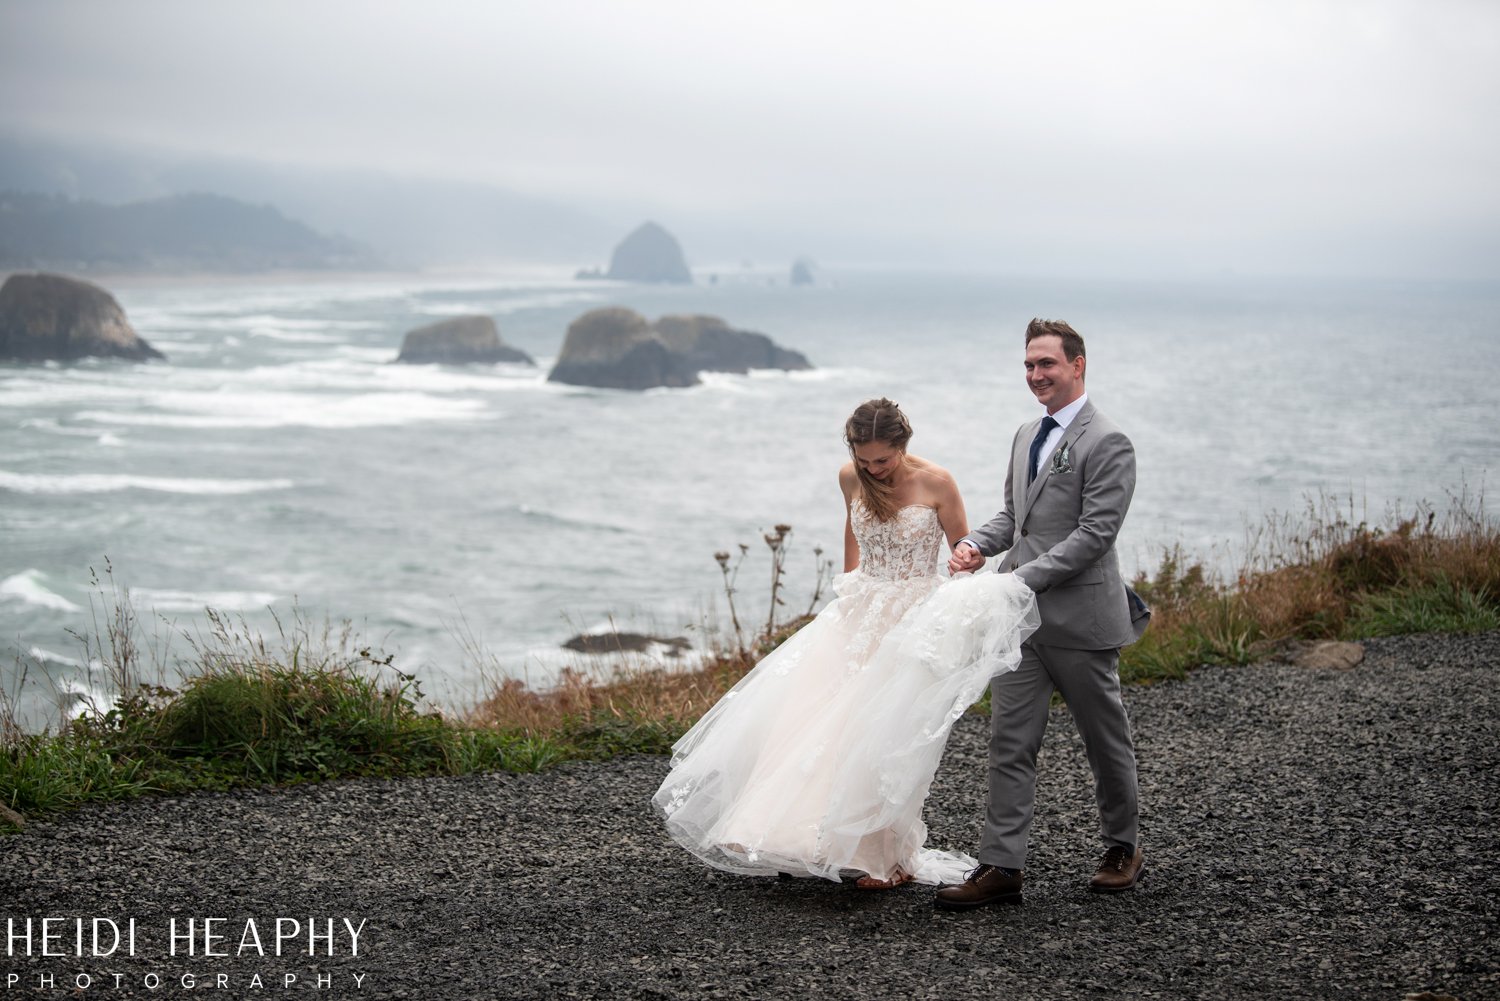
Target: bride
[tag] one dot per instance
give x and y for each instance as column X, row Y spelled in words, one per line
column 817, row 763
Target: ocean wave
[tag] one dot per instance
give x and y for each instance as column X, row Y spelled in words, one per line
column 556, row 519
column 53, row 427
column 27, row 587
column 757, row 380
column 801, row 375
column 99, row 483
column 374, row 371
column 292, row 336
column 42, row 656
column 79, row 698
column 170, row 348
column 169, row 600
column 273, row 409
column 503, row 307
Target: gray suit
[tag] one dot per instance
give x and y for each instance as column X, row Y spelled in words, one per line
column 1058, row 536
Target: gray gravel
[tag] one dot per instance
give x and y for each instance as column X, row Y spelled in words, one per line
column 1308, row 834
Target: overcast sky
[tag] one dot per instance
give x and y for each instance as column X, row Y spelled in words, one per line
column 1314, row 137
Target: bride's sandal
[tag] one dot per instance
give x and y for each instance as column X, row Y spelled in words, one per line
column 871, row 883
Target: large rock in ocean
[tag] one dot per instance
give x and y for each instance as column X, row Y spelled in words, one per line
column 459, row 341
column 650, row 254
column 711, row 345
column 616, row 348
column 46, row 317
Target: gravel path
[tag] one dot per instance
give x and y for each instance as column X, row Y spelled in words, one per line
column 1309, row 834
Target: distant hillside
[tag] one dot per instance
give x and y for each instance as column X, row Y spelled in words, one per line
column 194, row 232
column 409, row 221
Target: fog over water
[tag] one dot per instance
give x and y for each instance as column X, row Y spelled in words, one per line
column 1165, row 138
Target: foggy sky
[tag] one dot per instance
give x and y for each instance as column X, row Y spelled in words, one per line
column 1316, row 137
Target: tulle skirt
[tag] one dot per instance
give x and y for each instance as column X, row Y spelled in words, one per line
column 817, row 763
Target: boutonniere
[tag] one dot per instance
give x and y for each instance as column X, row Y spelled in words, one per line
column 1062, row 459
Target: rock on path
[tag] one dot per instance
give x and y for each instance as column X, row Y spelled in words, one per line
column 1309, row 834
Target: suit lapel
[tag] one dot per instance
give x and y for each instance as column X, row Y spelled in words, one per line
column 1018, row 470
column 1069, row 438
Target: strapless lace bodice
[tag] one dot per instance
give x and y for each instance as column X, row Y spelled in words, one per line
column 907, row 546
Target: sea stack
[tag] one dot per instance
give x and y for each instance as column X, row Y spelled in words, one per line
column 649, row 254
column 47, row 317
column 708, row 344
column 616, row 348
column 462, row 340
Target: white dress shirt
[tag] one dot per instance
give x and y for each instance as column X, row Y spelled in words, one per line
column 1064, row 417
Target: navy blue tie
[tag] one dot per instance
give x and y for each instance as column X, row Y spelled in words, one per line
column 1036, row 446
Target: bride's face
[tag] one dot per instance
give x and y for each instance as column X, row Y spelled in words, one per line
column 878, row 458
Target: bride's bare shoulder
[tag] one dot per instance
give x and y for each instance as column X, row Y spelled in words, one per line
column 848, row 479
column 930, row 474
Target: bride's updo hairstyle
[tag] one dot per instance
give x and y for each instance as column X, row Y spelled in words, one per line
column 877, row 420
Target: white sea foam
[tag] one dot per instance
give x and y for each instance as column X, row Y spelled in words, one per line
column 170, row 348
column 292, row 336
column 27, row 587
column 168, row 600
column 99, row 483
column 79, row 698
column 42, row 656
column 367, row 374
column 802, row 375
column 271, row 409
column 53, row 427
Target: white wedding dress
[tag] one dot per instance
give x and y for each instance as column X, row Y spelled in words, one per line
column 817, row 763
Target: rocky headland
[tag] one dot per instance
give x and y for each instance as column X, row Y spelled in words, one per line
column 463, row 340
column 617, row 348
column 49, row 317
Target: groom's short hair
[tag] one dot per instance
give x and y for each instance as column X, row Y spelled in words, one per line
column 1072, row 341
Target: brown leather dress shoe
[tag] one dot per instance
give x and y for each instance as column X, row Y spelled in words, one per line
column 987, row 884
column 1119, row 870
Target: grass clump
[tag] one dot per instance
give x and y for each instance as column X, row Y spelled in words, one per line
column 314, row 706
column 1325, row 576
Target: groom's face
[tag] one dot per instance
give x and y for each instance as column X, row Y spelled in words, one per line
column 1054, row 381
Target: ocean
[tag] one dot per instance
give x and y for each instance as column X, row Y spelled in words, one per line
column 279, row 456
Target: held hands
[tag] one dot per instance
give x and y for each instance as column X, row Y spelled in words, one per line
column 965, row 559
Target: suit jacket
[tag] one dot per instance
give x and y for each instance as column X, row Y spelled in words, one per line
column 1058, row 535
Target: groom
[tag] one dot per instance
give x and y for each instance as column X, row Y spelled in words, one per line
column 1067, row 489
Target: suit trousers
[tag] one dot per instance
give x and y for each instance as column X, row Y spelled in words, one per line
column 1090, row 684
